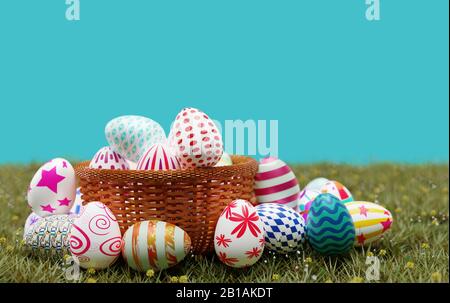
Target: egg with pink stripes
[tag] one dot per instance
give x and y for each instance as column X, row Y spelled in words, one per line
column 276, row 183
column 158, row 157
column 106, row 158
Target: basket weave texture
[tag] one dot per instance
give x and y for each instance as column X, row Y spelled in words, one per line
column 192, row 199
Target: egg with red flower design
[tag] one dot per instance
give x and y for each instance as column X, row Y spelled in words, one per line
column 195, row 139
column 239, row 235
column 95, row 238
column 52, row 189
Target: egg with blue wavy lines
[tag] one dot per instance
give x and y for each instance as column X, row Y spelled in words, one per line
column 330, row 226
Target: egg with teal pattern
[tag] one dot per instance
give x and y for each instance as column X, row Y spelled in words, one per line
column 330, row 228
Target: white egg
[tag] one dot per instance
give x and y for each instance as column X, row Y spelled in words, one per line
column 95, row 239
column 106, row 158
column 239, row 235
column 52, row 189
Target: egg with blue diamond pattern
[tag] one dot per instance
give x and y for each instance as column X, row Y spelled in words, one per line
column 284, row 228
column 330, row 228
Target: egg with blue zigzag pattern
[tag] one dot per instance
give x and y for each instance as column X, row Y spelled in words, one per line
column 330, row 228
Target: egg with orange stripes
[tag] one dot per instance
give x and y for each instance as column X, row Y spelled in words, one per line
column 154, row 245
column 371, row 221
column 276, row 183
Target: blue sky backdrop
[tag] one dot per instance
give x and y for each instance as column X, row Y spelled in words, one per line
column 343, row 89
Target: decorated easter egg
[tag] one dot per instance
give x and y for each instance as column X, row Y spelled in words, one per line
column 316, row 184
column 284, row 228
column 330, row 227
column 52, row 189
column 276, row 183
column 305, row 198
column 50, row 235
column 195, row 139
column 239, row 235
column 338, row 190
column 131, row 135
column 77, row 206
column 31, row 220
column 225, row 160
column 95, row 238
column 106, row 158
column 371, row 221
column 154, row 245
column 158, row 157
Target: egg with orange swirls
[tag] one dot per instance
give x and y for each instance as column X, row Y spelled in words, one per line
column 95, row 238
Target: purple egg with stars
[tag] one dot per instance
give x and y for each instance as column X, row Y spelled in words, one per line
column 52, row 189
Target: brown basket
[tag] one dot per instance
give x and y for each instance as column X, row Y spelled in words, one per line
column 191, row 199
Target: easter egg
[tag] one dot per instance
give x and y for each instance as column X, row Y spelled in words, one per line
column 338, row 190
column 154, row 245
column 330, row 227
column 371, row 221
column 95, row 238
column 239, row 235
column 31, row 220
column 132, row 165
column 195, row 139
column 158, row 157
column 316, row 184
column 131, row 135
column 50, row 235
column 305, row 198
column 52, row 189
column 225, row 160
column 276, row 183
column 78, row 204
column 284, row 228
column 106, row 158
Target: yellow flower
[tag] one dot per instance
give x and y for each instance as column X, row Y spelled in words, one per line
column 91, row 271
column 91, row 280
column 357, row 280
column 14, row 218
column 369, row 254
column 398, row 210
column 329, row 281
column 2, row 240
column 183, row 279
column 425, row 246
column 174, row 279
column 9, row 248
column 275, row 277
column 382, row 252
column 435, row 222
column 433, row 213
column 308, row 260
column 66, row 257
column 409, row 265
column 150, row 273
column 436, row 277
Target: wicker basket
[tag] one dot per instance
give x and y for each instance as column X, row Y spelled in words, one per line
column 191, row 199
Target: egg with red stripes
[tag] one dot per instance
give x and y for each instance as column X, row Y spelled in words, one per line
column 338, row 190
column 95, row 238
column 371, row 221
column 106, row 158
column 195, row 139
column 158, row 157
column 154, row 245
column 52, row 189
column 276, row 183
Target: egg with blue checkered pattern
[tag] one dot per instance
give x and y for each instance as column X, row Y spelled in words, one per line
column 285, row 229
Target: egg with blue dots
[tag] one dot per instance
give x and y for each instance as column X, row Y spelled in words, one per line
column 284, row 228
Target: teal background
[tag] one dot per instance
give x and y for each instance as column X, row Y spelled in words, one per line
column 343, row 89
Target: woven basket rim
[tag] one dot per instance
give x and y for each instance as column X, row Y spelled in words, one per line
column 241, row 164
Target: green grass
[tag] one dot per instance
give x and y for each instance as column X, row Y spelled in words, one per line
column 417, row 195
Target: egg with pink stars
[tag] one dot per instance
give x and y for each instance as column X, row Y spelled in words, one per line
column 52, row 188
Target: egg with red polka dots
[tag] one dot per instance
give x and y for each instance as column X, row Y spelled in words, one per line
column 195, row 139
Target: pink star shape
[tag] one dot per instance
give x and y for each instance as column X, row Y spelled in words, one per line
column 386, row 224
column 64, row 164
column 50, row 179
column 363, row 210
column 48, row 208
column 64, row 202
